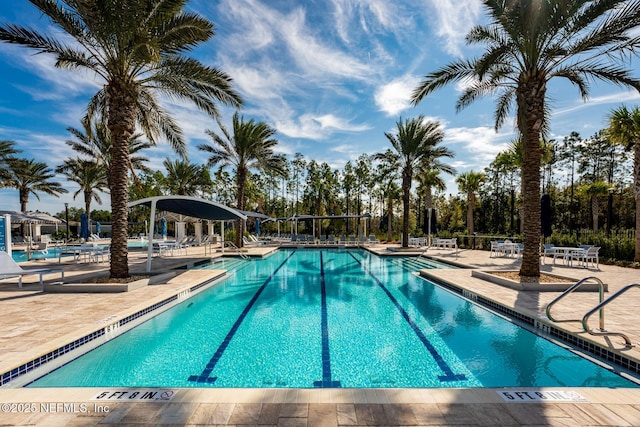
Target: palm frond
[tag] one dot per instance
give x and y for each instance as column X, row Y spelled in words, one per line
column 453, row 72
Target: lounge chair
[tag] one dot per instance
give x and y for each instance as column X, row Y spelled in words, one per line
column 342, row 240
column 323, row 239
column 352, row 240
column 9, row 268
column 331, row 240
column 40, row 251
column 372, row 239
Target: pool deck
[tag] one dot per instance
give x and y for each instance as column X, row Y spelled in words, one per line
column 34, row 323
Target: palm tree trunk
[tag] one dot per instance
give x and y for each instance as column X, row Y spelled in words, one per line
column 241, row 182
column 24, row 200
column 87, row 203
column 636, row 182
column 121, row 123
column 530, row 100
column 471, row 204
column 389, row 218
column 406, row 198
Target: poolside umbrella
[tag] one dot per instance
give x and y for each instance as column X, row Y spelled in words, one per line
column 84, row 226
column 257, row 226
column 98, row 228
column 163, row 227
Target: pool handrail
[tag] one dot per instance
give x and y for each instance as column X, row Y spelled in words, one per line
column 585, row 319
column 570, row 290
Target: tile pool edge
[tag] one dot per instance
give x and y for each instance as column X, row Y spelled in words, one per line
column 540, row 325
column 109, row 327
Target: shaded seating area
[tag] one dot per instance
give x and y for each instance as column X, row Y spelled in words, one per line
column 10, row 269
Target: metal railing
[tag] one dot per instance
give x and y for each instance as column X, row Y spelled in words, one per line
column 585, row 319
column 233, row 245
column 570, row 290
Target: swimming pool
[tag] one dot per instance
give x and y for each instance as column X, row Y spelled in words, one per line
column 328, row 318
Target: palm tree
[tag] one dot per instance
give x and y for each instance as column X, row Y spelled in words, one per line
column 322, row 183
column 138, row 49
column 469, row 183
column 249, row 147
column 184, row 178
column 388, row 168
column 595, row 191
column 528, row 43
column 95, row 143
column 624, row 128
column 6, row 153
column 91, row 177
column 31, row 177
column 416, row 143
column 348, row 184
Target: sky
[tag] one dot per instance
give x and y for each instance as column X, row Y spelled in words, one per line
column 331, row 76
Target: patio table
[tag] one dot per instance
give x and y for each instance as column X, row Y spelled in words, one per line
column 564, row 252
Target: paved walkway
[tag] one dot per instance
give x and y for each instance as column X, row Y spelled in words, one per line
column 34, row 322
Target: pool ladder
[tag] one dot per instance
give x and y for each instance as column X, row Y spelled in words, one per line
column 232, row 245
column 600, row 308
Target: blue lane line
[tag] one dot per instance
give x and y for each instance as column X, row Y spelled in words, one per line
column 448, row 373
column 326, row 355
column 205, row 377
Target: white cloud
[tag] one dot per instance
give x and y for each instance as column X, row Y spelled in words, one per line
column 299, row 47
column 613, row 98
column 453, row 21
column 316, row 126
column 481, row 144
column 395, row 97
column 352, row 18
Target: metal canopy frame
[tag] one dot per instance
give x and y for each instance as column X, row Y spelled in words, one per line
column 184, row 205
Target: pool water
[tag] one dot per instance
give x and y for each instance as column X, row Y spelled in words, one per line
column 328, row 318
column 20, row 255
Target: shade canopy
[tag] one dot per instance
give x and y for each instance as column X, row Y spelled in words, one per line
column 31, row 217
column 191, row 207
column 299, row 217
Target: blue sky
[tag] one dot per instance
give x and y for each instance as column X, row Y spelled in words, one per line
column 330, row 75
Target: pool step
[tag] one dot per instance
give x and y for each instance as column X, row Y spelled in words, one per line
column 230, row 264
column 416, row 264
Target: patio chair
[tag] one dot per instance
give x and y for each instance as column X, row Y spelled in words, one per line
column 160, row 249
column 372, row 238
column 9, row 268
column 352, row 240
column 323, row 239
column 362, row 240
column 496, row 249
column 331, row 240
column 342, row 240
column 548, row 249
column 40, row 251
column 584, row 256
